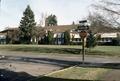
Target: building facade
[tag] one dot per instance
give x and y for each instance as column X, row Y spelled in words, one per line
column 2, row 38
column 11, row 36
column 109, row 38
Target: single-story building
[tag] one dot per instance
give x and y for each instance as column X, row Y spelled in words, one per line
column 11, row 35
column 112, row 38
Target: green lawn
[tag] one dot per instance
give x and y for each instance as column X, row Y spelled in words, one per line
column 63, row 49
column 57, row 79
column 76, row 74
column 113, row 49
column 79, row 73
column 106, row 50
column 55, row 49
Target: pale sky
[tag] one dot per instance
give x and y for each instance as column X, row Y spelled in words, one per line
column 66, row 11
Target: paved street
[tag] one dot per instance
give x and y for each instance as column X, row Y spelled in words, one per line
column 26, row 66
column 40, row 64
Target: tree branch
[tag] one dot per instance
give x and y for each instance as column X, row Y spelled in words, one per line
column 106, row 9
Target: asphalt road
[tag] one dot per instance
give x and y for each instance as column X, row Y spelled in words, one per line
column 41, row 64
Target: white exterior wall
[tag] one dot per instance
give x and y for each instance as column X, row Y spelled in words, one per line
column 75, row 37
column 2, row 36
column 58, row 35
column 109, row 35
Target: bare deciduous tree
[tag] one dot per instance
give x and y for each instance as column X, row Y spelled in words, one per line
column 42, row 19
column 97, row 22
column 110, row 9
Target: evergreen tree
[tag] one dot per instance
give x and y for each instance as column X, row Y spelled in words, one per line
column 45, row 40
column 91, row 40
column 27, row 26
column 66, row 38
column 50, row 37
column 51, row 20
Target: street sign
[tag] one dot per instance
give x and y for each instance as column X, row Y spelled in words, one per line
column 83, row 34
column 82, row 29
column 83, row 21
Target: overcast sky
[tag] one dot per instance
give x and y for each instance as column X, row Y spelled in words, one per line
column 66, row 11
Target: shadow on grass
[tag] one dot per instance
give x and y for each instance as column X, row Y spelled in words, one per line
column 49, row 50
column 44, row 78
column 101, row 65
column 6, row 75
column 75, row 51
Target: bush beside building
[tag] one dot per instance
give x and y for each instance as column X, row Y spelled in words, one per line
column 11, row 36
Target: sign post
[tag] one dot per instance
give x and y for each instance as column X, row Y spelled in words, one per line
column 82, row 28
column 83, row 35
